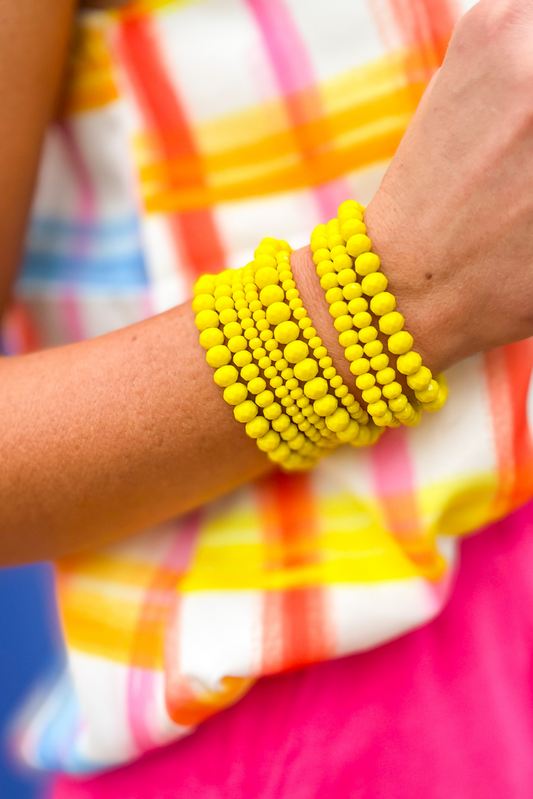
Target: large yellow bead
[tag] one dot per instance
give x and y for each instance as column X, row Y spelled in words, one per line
column 206, row 319
column 256, row 385
column 338, row 421
column 228, row 316
column 286, row 332
column 257, row 427
column 237, row 343
column 224, row 278
column 348, row 206
column 391, row 323
column 235, row 393
column 385, row 376
column 420, row 380
column 204, row 285
column 409, row 363
column 377, row 408
column 398, row 404
column 223, row 304
column 316, row 388
column 321, row 255
column 223, row 291
column 367, row 263
column 371, row 395
column 211, row 337
column 305, row 369
column 360, row 366
column 249, row 371
column 400, row 343
column 264, row 260
column 324, row 268
column 266, row 276
column 325, row 406
column 226, row 376
column 342, row 262
column 272, row 411
column 383, row 303
column 264, row 398
column 232, row 329
column 329, row 281
column 348, row 338
column 334, row 295
column 271, row 294
column 281, row 423
column 269, row 441
column 278, row 312
column 245, row 411
column 218, row 356
column 357, row 245
column 296, row 351
column 241, row 357
column 374, row 284
column 351, row 228
column 392, row 390
column 203, row 302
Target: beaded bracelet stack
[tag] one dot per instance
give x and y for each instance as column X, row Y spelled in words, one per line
column 275, row 370
column 356, row 292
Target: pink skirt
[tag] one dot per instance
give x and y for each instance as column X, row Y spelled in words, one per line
column 446, row 711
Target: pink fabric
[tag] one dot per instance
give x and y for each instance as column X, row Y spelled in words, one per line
column 443, row 712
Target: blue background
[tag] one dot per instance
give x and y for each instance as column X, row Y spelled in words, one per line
column 29, row 647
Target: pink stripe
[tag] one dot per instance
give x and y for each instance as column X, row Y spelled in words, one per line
column 141, row 686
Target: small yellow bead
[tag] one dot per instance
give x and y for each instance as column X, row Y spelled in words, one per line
column 286, row 332
column 391, row 323
column 256, row 385
column 384, row 419
column 392, row 390
column 264, row 363
column 250, row 333
column 240, row 305
column 373, row 348
column 232, row 329
column 377, row 408
column 264, row 259
column 334, row 295
column 282, row 423
column 368, row 334
column 339, row 249
column 271, row 411
column 365, row 381
column 316, row 388
column 245, row 411
column 346, row 277
column 281, row 364
column 329, row 281
column 315, row 342
column 295, row 303
column 352, row 291
column 374, row 284
column 297, row 393
column 271, row 344
column 303, row 403
column 235, row 394
column 206, row 319
column 400, row 343
column 325, row 361
column 249, row 371
column 281, row 454
column 357, row 244
column 385, row 376
column 332, row 227
column 407, row 412
column 367, row 263
column 429, row 394
column 360, row 366
column 383, row 303
column 264, row 399
column 259, row 352
column 204, row 285
column 420, row 380
column 326, row 405
column 398, row 403
column 437, row 404
column 350, row 228
column 350, row 433
column 321, row 255
column 338, row 421
column 218, row 356
column 348, row 338
column 371, row 395
column 335, row 381
column 341, row 391
column 211, row 337
column 257, row 427
column 278, row 312
column 265, row 335
column 358, row 305
column 409, row 363
column 354, row 352
column 306, row 369
column 330, row 372
column 299, row 314
column 341, row 262
column 325, row 268
column 362, row 319
column 343, row 323
column 256, row 306
column 338, row 309
column 304, row 324
column 226, row 376
column 320, row 352
column 269, row 442
column 290, row 433
column 222, row 291
column 335, row 241
column 292, row 383
column 379, row 362
column 241, row 357
column 237, row 343
column 266, row 276
column 203, row 302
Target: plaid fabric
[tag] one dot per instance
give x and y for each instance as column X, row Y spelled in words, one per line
column 191, row 130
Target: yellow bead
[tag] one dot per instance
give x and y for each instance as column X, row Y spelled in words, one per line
column 269, row 441
column 358, row 305
column 315, row 342
column 266, row 276
column 379, row 362
column 290, row 433
column 409, row 363
column 245, row 411
column 278, row 312
column 367, row 263
column 335, row 381
column 320, row 352
column 348, row 338
column 224, row 304
column 384, row 419
column 362, row 319
column 360, row 366
column 241, row 357
column 340, row 249
column 218, row 356
column 211, row 337
column 346, row 277
column 296, row 444
column 282, row 423
column 228, row 316
column 354, row 352
column 232, row 329
column 265, row 260
column 348, row 207
column 377, row 408
column 358, row 244
column 316, row 388
column 306, row 369
column 368, row 334
column 420, row 380
column 321, row 255
column 338, row 309
column 335, row 241
column 343, row 323
column 400, row 343
column 374, row 284
column 235, row 394
column 392, row 390
column 407, row 412
column 206, row 319
column 341, row 391
column 329, row 281
column 226, row 376
column 338, row 421
column 203, row 302
column 286, row 332
column 255, row 306
column 325, row 268
column 204, row 285
column 334, row 295
column 351, row 228
column 371, row 395
column 330, row 372
column 281, row 454
column 373, row 348
column 264, row 399
column 332, row 227
column 398, row 404
column 385, row 376
column 391, row 323
column 257, row 427
column 341, row 262
column 249, row 371
column 224, row 278
column 363, row 382
column 237, row 343
column 352, row 291
column 350, row 432
column 223, row 291
column 326, row 405
column 296, row 351
column 271, row 294
column 437, row 404
column 271, row 411
column 383, row 303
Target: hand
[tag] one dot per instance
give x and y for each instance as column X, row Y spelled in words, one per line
column 453, row 218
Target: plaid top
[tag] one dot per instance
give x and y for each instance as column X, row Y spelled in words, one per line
column 192, row 129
